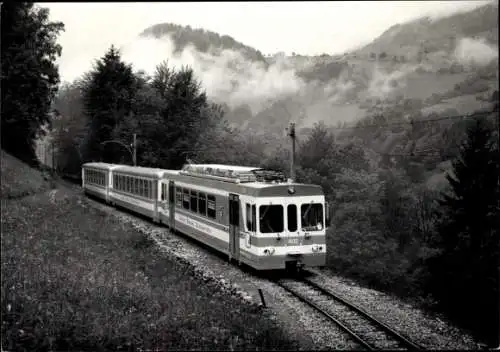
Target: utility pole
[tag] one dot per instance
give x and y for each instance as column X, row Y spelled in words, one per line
column 292, row 166
column 134, row 149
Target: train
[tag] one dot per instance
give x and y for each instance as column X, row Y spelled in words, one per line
column 253, row 215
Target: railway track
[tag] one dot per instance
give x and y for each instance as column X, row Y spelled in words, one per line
column 365, row 329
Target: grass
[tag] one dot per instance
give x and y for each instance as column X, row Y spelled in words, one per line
column 19, row 180
column 75, row 278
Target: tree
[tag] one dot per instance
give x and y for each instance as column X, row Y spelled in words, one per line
column 29, row 75
column 467, row 268
column 109, row 95
column 184, row 114
column 69, row 128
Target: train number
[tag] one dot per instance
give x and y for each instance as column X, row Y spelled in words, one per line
column 294, row 241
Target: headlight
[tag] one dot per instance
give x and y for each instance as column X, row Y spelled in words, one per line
column 269, row 251
column 317, row 248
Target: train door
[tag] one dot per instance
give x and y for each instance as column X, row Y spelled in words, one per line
column 234, row 226
column 171, row 203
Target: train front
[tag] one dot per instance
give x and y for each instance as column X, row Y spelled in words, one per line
column 291, row 221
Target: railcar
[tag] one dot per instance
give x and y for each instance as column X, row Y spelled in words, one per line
column 139, row 189
column 255, row 216
column 96, row 179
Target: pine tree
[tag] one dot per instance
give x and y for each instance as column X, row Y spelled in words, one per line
column 29, row 75
column 466, row 274
column 108, row 96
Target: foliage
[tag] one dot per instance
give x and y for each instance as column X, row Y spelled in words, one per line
column 108, row 96
column 182, row 116
column 467, row 268
column 202, row 40
column 29, row 75
column 70, row 127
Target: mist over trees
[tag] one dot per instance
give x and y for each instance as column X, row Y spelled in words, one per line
column 29, row 75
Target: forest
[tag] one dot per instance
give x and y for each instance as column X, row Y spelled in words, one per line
column 390, row 230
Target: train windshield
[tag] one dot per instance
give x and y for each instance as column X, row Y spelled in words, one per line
column 312, row 217
column 271, row 218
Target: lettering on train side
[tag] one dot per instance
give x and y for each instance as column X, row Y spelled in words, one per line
column 195, row 224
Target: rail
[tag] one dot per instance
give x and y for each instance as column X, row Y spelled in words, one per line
column 350, row 330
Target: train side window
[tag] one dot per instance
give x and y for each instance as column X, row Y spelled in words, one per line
column 211, row 212
column 194, row 201
column 248, row 216
column 178, row 196
column 292, row 217
column 146, row 188
column 202, row 204
column 150, row 190
column 136, row 185
column 185, row 199
column 128, row 183
column 251, row 218
column 254, row 218
column 163, row 193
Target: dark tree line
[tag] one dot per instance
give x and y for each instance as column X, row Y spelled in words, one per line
column 29, row 75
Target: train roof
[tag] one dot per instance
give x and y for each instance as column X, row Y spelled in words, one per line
column 221, row 167
column 145, row 171
column 100, row 165
column 244, row 180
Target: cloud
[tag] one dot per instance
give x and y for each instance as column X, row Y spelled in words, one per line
column 471, row 51
column 226, row 75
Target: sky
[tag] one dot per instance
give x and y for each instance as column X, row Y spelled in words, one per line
column 307, row 28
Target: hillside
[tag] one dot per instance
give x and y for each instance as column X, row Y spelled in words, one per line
column 19, row 180
column 423, row 69
column 425, row 35
column 203, row 40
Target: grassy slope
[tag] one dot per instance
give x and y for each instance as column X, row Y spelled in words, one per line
column 20, row 180
column 75, row 278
